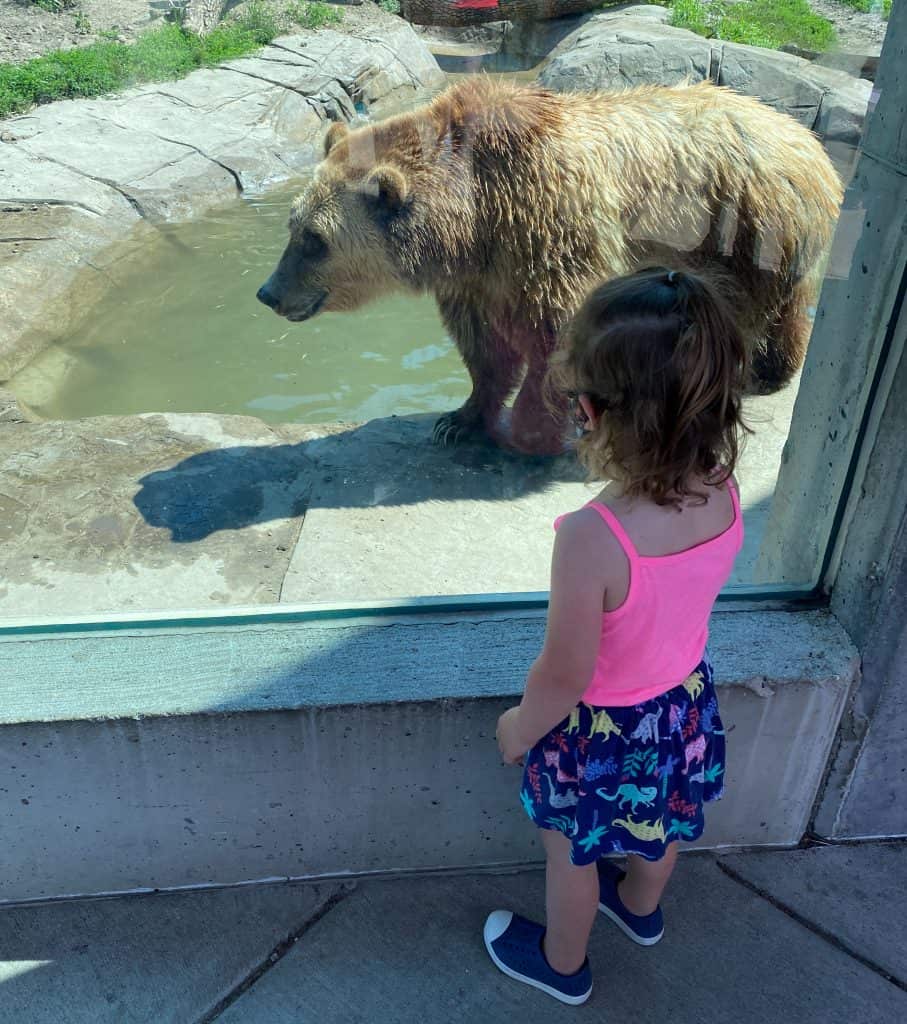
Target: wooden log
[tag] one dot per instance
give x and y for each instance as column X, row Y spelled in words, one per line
column 461, row 13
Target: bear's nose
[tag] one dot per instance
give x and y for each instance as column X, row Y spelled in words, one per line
column 263, row 295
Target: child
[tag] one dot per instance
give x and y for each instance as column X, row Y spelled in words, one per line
column 656, row 369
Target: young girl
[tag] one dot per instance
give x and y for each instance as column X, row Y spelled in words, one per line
column 656, row 369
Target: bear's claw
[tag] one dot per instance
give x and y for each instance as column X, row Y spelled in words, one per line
column 450, row 430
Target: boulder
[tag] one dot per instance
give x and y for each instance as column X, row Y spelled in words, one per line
column 530, row 42
column 778, row 79
column 620, row 49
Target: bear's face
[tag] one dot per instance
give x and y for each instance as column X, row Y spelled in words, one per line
column 338, row 257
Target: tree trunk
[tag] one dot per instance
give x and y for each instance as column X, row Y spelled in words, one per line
column 203, row 15
column 459, row 13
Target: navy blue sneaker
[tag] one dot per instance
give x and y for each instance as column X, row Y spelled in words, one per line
column 515, row 945
column 646, row 930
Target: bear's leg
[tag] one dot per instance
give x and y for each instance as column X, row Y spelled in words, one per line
column 538, row 423
column 775, row 363
column 494, row 368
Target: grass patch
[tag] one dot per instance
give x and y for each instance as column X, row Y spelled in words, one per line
column 257, row 21
column 157, row 56
column 882, row 7
column 766, row 23
column 391, row 6
column 314, row 15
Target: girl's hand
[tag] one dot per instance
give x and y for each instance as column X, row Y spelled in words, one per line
column 510, row 742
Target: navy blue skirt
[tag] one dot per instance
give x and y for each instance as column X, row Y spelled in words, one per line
column 630, row 780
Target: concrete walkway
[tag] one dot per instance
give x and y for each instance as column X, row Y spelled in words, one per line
column 815, row 935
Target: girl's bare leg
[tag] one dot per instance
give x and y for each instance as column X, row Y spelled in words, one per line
column 571, row 902
column 645, row 881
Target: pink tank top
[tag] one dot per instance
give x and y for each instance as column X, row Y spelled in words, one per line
column 655, row 639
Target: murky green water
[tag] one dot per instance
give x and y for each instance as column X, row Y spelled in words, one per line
column 185, row 333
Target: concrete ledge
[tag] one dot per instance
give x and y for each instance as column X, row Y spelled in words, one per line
column 220, row 756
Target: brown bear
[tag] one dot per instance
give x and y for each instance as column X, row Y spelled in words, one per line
column 509, row 203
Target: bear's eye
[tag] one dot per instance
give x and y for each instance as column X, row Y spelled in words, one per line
column 313, row 245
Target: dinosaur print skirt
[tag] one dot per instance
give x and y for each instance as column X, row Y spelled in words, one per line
column 632, row 779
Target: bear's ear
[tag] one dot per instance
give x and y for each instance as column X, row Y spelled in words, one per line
column 389, row 187
column 336, row 133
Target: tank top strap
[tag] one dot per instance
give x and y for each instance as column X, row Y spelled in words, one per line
column 737, row 526
column 615, row 526
column 735, row 498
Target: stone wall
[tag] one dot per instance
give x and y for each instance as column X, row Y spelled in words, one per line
column 163, row 758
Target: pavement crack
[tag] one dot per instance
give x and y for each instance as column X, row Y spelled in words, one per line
column 133, row 202
column 413, row 80
column 74, row 203
column 276, row 955
column 174, row 98
column 162, row 167
column 186, row 145
column 291, row 550
column 833, row 940
column 299, row 56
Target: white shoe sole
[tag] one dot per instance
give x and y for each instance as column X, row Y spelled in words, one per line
column 491, row 932
column 638, row 939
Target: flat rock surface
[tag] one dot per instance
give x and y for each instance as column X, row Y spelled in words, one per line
column 180, row 512
column 120, row 513
column 131, row 961
column 856, row 894
column 391, row 515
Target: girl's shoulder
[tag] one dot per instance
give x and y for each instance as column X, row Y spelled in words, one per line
column 594, row 532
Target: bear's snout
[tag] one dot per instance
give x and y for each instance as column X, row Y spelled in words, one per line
column 267, row 297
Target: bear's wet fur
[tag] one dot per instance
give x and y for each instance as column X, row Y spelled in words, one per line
column 510, row 203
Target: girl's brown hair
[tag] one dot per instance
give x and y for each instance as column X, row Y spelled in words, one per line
column 664, row 365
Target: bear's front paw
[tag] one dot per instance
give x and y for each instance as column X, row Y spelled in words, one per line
column 455, row 428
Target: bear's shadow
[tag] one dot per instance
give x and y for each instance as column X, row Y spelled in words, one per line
column 386, row 462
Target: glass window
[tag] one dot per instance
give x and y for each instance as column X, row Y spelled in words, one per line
column 203, row 412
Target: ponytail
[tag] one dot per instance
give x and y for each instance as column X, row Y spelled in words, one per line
column 711, row 356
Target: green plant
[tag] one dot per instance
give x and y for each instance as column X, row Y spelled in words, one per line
column 391, row 6
column 693, row 16
column 313, row 15
column 105, row 66
column 765, row 23
column 258, row 21
column 83, row 25
column 883, row 7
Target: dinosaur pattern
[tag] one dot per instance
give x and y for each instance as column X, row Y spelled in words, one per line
column 694, row 751
column 627, row 793
column 604, row 724
column 648, row 727
column 630, row 779
column 560, row 800
column 644, row 830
